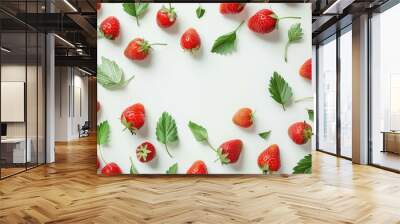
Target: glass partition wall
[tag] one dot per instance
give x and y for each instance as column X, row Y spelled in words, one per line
column 22, row 77
column 334, row 95
column 385, row 90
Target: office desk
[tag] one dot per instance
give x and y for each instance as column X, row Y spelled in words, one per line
column 391, row 142
column 17, row 148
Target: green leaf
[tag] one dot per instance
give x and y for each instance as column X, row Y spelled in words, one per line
column 265, row 134
column 200, row 12
column 100, row 34
column 135, row 9
column 199, row 132
column 166, row 130
column 225, row 44
column 110, row 75
column 295, row 34
column 173, row 169
column 280, row 90
column 103, row 133
column 304, row 165
column 133, row 169
column 310, row 114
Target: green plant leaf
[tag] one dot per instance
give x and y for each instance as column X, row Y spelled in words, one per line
column 100, row 34
column 135, row 9
column 265, row 134
column 280, row 90
column 166, row 130
column 225, row 44
column 110, row 75
column 310, row 114
column 304, row 165
column 199, row 132
column 200, row 11
column 103, row 133
column 173, row 169
column 295, row 34
column 133, row 169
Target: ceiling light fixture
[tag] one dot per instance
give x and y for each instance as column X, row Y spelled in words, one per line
column 5, row 50
column 64, row 40
column 70, row 5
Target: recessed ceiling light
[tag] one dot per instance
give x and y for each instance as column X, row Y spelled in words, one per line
column 64, row 40
column 5, row 50
column 70, row 5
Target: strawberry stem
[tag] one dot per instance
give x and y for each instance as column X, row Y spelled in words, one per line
column 170, row 6
column 286, row 50
column 101, row 156
column 289, row 17
column 162, row 44
column 239, row 26
column 166, row 148
column 209, row 145
column 304, row 99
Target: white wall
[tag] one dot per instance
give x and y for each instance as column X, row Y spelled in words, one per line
column 69, row 85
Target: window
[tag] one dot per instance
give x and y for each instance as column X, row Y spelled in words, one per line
column 327, row 96
column 385, row 90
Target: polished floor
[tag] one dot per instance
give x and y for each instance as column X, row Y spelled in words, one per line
column 69, row 191
column 387, row 159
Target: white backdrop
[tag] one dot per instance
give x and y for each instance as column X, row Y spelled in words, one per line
column 207, row 88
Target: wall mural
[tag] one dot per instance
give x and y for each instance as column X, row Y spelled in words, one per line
column 210, row 88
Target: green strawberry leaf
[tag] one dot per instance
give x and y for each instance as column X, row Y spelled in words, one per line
column 200, row 12
column 280, row 90
column 199, row 132
column 295, row 34
column 310, row 114
column 225, row 44
column 110, row 75
column 304, row 165
column 173, row 169
column 166, row 130
column 265, row 134
column 103, row 133
column 135, row 9
column 223, row 158
column 133, row 169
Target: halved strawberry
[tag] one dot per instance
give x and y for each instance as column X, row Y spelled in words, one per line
column 145, row 152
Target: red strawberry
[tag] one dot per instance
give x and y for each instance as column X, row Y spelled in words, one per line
column 145, row 152
column 300, row 132
column 97, row 163
column 265, row 21
column 306, row 69
column 110, row 28
column 198, row 167
column 111, row 169
column 229, row 151
column 231, row 8
column 166, row 17
column 133, row 117
column 98, row 106
column 138, row 49
column 269, row 160
column 190, row 40
column 243, row 118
